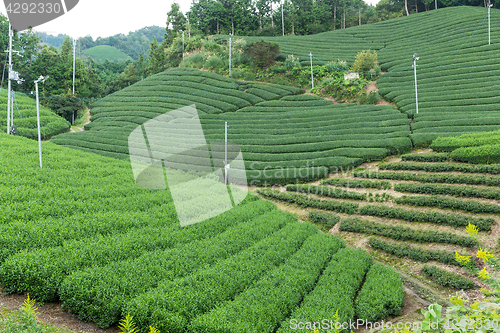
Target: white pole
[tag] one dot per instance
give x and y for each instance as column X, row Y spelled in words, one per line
column 225, row 154
column 230, row 51
column 415, row 58
column 435, row 4
column 38, row 124
column 312, row 77
column 282, row 18
column 12, row 112
column 489, row 33
column 8, row 78
column 182, row 45
column 74, row 60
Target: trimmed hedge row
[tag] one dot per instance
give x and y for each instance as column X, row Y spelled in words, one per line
column 382, row 294
column 413, row 252
column 478, row 155
column 98, row 293
column 304, row 201
column 335, row 290
column 446, row 202
column 327, row 219
column 357, row 183
column 441, row 167
column 41, row 272
column 454, row 190
column 263, row 306
column 326, row 191
column 404, row 233
column 426, row 157
column 449, row 178
column 454, row 220
column 172, row 305
column 448, row 279
column 449, row 144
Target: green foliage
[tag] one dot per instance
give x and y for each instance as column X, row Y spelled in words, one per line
column 442, row 167
column 357, row 183
column 449, row 178
column 102, row 52
column 126, row 325
column 335, row 290
column 478, row 155
column 454, row 220
column 263, row 53
column 445, row 189
column 413, row 252
column 260, row 308
column 327, row 219
column 304, row 201
column 326, row 191
column 446, row 202
column 404, row 233
column 449, row 144
column 381, row 295
column 448, row 279
column 426, row 157
column 364, row 62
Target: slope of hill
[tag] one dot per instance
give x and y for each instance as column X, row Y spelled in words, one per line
column 105, row 248
column 103, row 52
column 283, row 135
column 457, row 71
column 25, row 118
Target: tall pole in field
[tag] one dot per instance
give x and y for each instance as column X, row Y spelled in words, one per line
column 312, row 77
column 74, row 62
column 415, row 58
column 489, row 25
column 8, row 78
column 282, row 18
column 435, row 4
column 226, row 166
column 41, row 78
column 230, row 51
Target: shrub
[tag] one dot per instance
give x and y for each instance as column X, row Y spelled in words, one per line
column 426, row 157
column 327, row 219
column 358, row 183
column 264, row 53
column 448, row 279
column 404, row 233
column 364, row 62
column 381, row 295
column 452, row 203
column 326, row 191
column 486, row 154
column 442, row 167
column 453, row 190
column 373, row 97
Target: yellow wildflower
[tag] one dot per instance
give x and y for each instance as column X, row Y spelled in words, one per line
column 484, row 274
column 485, row 255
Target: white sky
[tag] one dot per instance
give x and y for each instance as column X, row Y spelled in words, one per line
column 104, row 18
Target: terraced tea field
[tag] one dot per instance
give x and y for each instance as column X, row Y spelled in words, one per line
column 411, row 213
column 283, row 134
column 80, row 231
column 25, row 118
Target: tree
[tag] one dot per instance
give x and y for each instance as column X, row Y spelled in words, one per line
column 264, row 54
column 364, row 62
column 176, row 21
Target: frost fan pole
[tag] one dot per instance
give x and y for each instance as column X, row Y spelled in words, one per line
column 42, row 79
column 312, row 77
column 415, row 58
column 489, row 33
column 226, row 166
column 229, row 61
column 8, row 79
column 283, row 18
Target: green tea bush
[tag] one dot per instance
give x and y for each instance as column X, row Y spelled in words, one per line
column 446, row 202
column 326, row 191
column 426, row 157
column 413, row 252
column 451, row 219
column 453, row 190
column 381, row 295
column 448, row 279
column 357, row 183
column 334, row 293
column 486, row 154
column 442, row 167
column 404, row 233
column 327, row 219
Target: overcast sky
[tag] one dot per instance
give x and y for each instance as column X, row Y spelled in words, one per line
column 103, row 18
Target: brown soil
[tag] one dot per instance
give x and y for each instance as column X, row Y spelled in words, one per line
column 53, row 313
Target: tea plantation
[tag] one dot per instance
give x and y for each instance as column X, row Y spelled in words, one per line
column 283, row 134
column 81, row 231
column 25, row 118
